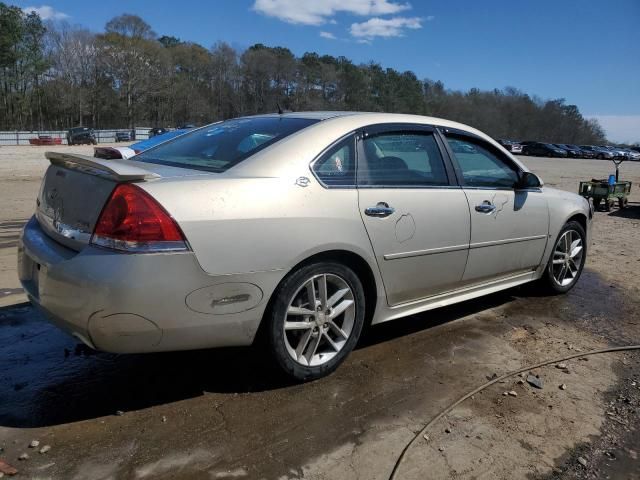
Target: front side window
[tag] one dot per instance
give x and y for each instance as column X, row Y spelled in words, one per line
column 220, row 146
column 401, row 159
column 337, row 167
column 482, row 165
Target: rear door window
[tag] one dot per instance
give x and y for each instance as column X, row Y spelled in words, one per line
column 403, row 158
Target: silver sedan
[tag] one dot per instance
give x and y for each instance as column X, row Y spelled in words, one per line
column 296, row 230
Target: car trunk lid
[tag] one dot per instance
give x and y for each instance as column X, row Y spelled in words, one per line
column 74, row 191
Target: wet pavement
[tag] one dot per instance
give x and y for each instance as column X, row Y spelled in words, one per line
column 227, row 414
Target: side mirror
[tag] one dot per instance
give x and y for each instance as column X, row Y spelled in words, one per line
column 529, row 180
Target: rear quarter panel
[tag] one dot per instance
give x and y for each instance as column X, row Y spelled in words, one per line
column 241, row 225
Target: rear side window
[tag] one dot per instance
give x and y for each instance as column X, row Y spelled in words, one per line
column 337, row 167
column 220, row 146
column 482, row 165
column 401, row 159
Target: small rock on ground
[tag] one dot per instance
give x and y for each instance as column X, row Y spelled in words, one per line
column 34, row 444
column 582, row 461
column 45, row 449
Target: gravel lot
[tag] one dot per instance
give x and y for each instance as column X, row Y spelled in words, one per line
column 223, row 414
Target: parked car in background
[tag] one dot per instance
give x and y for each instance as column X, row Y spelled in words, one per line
column 110, row 153
column 600, row 153
column 543, row 150
column 154, row 132
column 81, row 136
column 511, row 146
column 583, row 153
column 632, row 154
column 618, row 153
column 571, row 152
column 265, row 228
column 124, row 136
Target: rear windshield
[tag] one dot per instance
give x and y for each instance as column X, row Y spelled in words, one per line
column 220, row 146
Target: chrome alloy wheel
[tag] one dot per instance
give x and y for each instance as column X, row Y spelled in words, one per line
column 567, row 258
column 319, row 319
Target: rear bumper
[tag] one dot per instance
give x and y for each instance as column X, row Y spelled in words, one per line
column 127, row 303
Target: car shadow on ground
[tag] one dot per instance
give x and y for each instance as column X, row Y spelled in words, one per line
column 632, row 210
column 48, row 379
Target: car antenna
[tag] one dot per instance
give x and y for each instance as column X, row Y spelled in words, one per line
column 281, row 110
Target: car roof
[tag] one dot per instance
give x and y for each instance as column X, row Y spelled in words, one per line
column 364, row 118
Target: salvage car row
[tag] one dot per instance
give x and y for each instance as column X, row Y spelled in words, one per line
column 565, row 150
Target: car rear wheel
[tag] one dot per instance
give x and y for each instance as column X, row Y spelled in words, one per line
column 316, row 319
column 567, row 259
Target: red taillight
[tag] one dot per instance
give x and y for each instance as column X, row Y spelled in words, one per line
column 133, row 221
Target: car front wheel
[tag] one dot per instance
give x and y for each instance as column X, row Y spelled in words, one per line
column 567, row 259
column 316, row 319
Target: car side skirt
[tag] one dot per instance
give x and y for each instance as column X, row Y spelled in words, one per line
column 385, row 313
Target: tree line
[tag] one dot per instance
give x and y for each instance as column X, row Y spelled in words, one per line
column 55, row 76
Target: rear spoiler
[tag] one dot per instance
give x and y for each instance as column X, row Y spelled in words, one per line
column 113, row 169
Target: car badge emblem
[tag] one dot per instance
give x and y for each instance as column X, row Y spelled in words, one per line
column 303, row 181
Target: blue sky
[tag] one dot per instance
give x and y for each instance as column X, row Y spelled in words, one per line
column 585, row 51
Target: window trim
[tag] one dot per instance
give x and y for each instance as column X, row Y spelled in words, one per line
column 381, row 128
column 443, row 131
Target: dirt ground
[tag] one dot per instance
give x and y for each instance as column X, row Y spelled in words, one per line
column 224, row 414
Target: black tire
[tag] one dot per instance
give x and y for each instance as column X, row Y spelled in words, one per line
column 596, row 204
column 276, row 315
column 548, row 280
column 622, row 203
column 608, row 204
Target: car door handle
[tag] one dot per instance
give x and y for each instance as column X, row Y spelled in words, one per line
column 485, row 207
column 381, row 210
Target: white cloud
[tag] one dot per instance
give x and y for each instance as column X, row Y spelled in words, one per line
column 328, row 35
column 430, row 17
column 46, row 12
column 620, row 128
column 318, row 12
column 382, row 27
